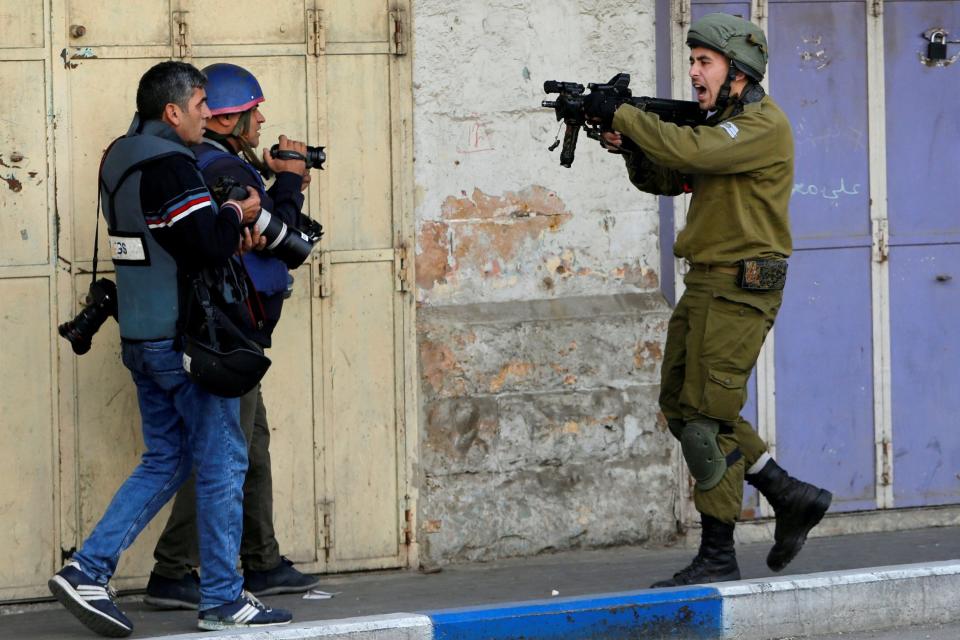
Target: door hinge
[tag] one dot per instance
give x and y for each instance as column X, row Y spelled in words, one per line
column 881, row 246
column 877, row 6
column 326, row 541
column 682, row 12
column 318, row 37
column 401, row 268
column 322, row 287
column 181, row 38
column 406, row 535
column 886, row 471
column 398, row 37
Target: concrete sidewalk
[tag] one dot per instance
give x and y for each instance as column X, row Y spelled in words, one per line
column 468, row 601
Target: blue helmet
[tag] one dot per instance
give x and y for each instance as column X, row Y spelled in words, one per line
column 231, row 89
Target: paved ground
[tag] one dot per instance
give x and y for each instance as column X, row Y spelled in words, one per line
column 571, row 574
column 930, row 632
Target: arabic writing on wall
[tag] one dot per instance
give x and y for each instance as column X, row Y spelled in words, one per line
column 826, row 192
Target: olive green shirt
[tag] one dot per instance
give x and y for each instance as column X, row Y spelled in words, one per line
column 740, row 171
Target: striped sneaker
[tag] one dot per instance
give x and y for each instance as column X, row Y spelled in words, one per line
column 245, row 611
column 89, row 601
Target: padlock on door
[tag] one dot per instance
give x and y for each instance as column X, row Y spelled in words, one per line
column 937, row 47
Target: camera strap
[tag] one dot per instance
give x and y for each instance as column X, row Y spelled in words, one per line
column 96, row 240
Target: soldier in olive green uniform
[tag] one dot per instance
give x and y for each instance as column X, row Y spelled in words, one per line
column 739, row 167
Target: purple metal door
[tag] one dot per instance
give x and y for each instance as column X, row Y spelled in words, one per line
column 923, row 157
column 824, row 375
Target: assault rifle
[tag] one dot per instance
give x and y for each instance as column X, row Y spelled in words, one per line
column 569, row 108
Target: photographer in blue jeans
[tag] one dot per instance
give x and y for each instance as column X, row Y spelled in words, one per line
column 227, row 150
column 164, row 230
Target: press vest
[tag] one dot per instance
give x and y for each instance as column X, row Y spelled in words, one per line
column 147, row 291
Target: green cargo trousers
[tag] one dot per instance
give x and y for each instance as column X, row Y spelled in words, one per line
column 713, row 342
column 177, row 551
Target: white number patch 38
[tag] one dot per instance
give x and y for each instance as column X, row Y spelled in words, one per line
column 123, row 248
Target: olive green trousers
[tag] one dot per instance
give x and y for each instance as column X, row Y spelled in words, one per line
column 177, row 551
column 713, row 342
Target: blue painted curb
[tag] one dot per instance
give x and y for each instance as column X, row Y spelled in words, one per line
column 692, row 612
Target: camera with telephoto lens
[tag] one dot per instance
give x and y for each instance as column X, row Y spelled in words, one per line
column 287, row 243
column 100, row 304
column 314, row 158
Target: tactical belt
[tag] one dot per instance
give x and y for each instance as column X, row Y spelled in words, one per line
column 753, row 274
column 715, row 268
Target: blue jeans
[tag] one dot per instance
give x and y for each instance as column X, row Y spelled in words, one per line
column 182, row 424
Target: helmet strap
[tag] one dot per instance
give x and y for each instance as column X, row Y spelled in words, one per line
column 724, row 96
column 249, row 153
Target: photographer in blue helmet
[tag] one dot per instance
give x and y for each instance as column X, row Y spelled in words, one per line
column 226, row 152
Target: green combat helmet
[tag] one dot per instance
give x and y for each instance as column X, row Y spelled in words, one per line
column 738, row 39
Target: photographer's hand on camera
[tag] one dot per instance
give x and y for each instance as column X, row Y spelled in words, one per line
column 277, row 165
column 251, row 239
column 249, row 207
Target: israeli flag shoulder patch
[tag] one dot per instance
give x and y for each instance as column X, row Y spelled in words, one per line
column 730, row 128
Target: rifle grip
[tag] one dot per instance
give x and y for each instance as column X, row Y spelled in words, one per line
column 570, row 135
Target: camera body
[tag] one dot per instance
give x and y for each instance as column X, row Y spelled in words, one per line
column 287, row 243
column 314, row 158
column 100, row 304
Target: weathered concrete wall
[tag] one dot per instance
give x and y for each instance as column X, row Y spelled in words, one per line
column 540, row 324
column 498, row 217
column 540, row 426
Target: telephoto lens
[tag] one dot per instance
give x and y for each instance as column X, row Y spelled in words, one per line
column 287, row 243
column 101, row 303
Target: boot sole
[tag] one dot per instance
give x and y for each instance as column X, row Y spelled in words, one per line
column 281, row 589
column 727, row 577
column 814, row 514
column 169, row 604
column 91, row 618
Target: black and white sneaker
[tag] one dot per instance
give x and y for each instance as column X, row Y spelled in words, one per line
column 245, row 611
column 89, row 601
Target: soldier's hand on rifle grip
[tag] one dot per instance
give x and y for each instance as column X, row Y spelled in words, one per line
column 612, row 141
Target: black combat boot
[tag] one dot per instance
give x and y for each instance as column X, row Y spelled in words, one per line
column 716, row 561
column 798, row 507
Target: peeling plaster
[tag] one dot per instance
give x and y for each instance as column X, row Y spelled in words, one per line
column 648, row 355
column 439, row 367
column 512, row 370
column 483, row 234
column 15, row 185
